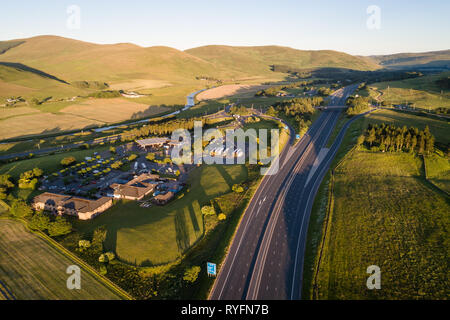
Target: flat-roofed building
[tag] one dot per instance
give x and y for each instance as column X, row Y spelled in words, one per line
column 61, row 204
column 151, row 142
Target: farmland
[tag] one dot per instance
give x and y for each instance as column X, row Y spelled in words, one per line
column 374, row 218
column 377, row 220
column 31, row 269
column 157, row 235
column 92, row 112
column 422, row 92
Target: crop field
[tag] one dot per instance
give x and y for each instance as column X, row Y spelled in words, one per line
column 41, row 123
column 161, row 234
column 244, row 90
column 31, row 269
column 58, row 117
column 112, row 110
column 12, row 112
column 377, row 220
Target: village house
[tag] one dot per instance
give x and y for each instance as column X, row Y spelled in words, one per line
column 61, row 204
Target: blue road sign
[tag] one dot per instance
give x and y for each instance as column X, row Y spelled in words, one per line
column 211, row 268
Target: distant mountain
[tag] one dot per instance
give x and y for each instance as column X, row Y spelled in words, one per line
column 424, row 60
column 257, row 60
column 73, row 60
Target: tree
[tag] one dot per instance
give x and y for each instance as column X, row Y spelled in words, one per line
column 59, row 227
column 360, row 140
column 110, row 255
column 150, row 156
column 20, row 209
column 112, row 149
column 103, row 258
column 40, row 221
column 371, row 137
column 237, row 188
column 208, row 210
column 84, row 244
column 5, row 185
column 67, row 161
column 191, row 274
column 221, row 217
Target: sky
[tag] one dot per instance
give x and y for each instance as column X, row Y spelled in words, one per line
column 354, row 26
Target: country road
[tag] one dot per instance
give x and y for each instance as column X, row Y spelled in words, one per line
column 265, row 259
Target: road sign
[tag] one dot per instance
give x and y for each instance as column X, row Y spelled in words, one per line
column 211, row 268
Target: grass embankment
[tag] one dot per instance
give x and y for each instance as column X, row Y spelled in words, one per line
column 383, row 189
column 437, row 170
column 32, row 269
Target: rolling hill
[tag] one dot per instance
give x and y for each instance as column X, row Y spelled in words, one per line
column 73, row 60
column 257, row 60
column 425, row 60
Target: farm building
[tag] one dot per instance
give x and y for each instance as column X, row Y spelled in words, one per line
column 61, row 204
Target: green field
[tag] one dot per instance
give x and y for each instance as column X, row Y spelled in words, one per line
column 49, row 164
column 439, row 128
column 438, row 171
column 32, row 270
column 385, row 214
column 422, row 92
column 158, row 235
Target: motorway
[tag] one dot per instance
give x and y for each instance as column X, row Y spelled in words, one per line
column 265, row 259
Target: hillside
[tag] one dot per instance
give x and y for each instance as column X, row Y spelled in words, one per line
column 74, row 60
column 257, row 60
column 433, row 59
column 18, row 81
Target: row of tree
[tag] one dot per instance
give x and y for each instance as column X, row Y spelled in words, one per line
column 273, row 91
column 357, row 105
column 296, row 107
column 398, row 139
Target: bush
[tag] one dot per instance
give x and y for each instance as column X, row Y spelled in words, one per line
column 237, row 188
column 191, row 274
column 59, row 227
column 110, row 255
column 84, row 244
column 40, row 221
column 67, row 161
column 20, row 209
column 208, row 210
